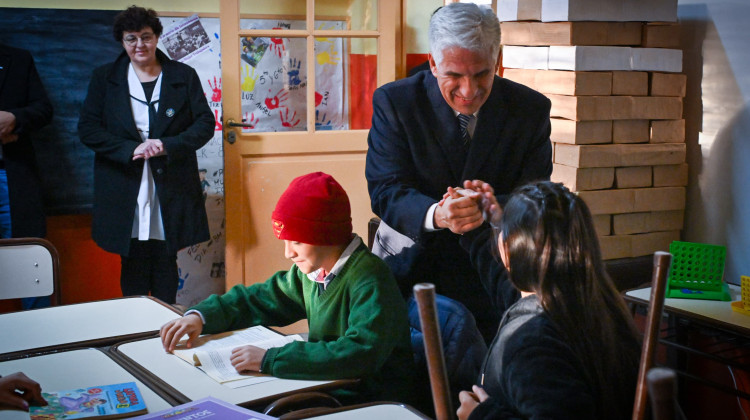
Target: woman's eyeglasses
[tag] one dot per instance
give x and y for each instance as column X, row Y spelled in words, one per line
column 132, row 40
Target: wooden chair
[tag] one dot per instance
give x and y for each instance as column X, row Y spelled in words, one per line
column 424, row 293
column 302, row 404
column 662, row 390
column 29, row 269
column 662, row 261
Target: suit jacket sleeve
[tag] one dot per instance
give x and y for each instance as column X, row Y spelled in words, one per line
column 202, row 128
column 391, row 173
column 38, row 110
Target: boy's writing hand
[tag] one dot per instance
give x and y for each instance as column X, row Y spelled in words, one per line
column 470, row 401
column 17, row 390
column 174, row 330
column 247, row 358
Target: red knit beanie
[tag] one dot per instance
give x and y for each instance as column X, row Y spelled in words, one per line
column 314, row 210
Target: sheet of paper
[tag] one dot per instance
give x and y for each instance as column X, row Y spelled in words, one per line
column 228, row 339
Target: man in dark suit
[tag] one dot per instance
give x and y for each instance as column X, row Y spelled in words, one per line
column 418, row 147
column 24, row 107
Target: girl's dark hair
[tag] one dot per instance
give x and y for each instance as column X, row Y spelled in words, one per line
column 553, row 251
column 134, row 19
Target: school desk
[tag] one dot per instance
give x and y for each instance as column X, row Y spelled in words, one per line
column 73, row 369
column 728, row 330
column 186, row 382
column 390, row 411
column 90, row 324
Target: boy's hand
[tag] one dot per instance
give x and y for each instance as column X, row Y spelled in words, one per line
column 17, row 390
column 172, row 331
column 470, row 401
column 247, row 358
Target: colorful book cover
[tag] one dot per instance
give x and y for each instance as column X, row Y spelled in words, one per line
column 208, row 407
column 104, row 402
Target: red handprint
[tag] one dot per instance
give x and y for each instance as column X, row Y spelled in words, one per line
column 251, row 120
column 318, row 98
column 277, row 45
column 218, row 126
column 286, row 121
column 216, row 88
column 274, row 101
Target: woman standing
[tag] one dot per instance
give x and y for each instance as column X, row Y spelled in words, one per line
column 145, row 116
column 568, row 348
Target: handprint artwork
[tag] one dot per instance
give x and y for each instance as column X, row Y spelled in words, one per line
column 277, row 45
column 273, row 102
column 286, row 120
column 248, row 78
column 293, row 73
column 215, row 90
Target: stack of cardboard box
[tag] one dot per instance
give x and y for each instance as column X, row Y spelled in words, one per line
column 612, row 72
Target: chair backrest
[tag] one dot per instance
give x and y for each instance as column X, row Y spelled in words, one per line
column 29, row 269
column 662, row 390
column 662, row 261
column 424, row 293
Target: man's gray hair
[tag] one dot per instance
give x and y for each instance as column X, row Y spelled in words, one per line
column 464, row 25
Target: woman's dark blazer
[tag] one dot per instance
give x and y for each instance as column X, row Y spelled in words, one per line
column 184, row 124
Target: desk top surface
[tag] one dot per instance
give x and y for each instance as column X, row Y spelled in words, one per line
column 714, row 312
column 376, row 412
column 73, row 369
column 82, row 322
column 191, row 382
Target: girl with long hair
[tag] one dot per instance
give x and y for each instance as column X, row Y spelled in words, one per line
column 568, row 348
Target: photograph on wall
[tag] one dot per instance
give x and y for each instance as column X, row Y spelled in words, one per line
column 185, row 40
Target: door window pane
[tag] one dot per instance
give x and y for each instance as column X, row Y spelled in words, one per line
column 273, row 78
column 360, row 15
column 274, row 10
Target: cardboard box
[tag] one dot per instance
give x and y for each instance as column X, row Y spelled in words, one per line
column 525, row 57
column 583, row 108
column 656, row 59
column 646, row 108
column 616, row 155
column 648, row 243
column 633, row 177
column 609, row 201
column 509, row 10
column 630, row 131
column 602, row 224
column 654, row 221
column 581, row 179
column 581, row 132
column 609, row 10
column 671, row 175
column 667, row 131
column 630, row 83
column 658, row 199
column 614, row 247
column 661, row 35
column 588, row 58
column 570, row 33
column 563, row 82
column 667, row 84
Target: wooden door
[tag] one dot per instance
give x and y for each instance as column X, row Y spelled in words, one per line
column 301, row 74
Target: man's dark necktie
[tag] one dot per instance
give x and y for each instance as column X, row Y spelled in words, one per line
column 463, row 122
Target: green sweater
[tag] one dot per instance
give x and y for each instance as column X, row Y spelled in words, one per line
column 358, row 327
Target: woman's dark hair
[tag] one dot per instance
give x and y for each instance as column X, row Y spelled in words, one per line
column 134, row 19
column 553, row 250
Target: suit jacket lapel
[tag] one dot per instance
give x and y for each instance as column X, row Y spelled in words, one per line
column 121, row 107
column 445, row 128
column 488, row 133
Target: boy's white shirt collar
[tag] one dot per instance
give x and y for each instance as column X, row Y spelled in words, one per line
column 348, row 251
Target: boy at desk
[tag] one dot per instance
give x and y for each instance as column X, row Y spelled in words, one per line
column 358, row 326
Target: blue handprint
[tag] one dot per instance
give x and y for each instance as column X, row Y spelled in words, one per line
column 181, row 281
column 293, row 73
column 320, row 125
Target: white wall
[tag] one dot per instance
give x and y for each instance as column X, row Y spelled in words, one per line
column 716, row 44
